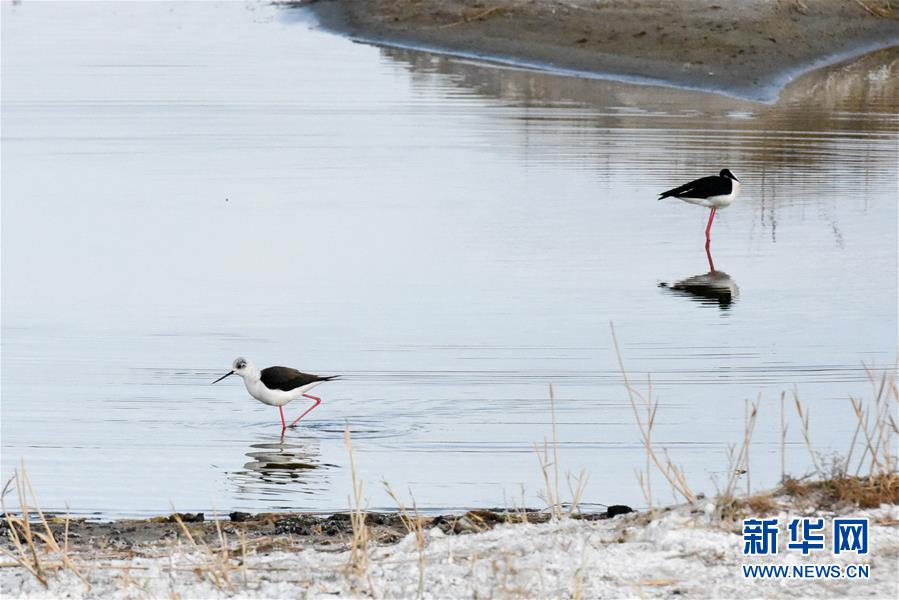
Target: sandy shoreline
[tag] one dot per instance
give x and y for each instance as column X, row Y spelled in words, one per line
column 682, row 551
column 749, row 49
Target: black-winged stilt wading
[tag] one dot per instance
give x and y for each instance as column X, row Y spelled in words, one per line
column 277, row 386
column 717, row 191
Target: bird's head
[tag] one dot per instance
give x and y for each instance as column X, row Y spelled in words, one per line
column 726, row 173
column 241, row 366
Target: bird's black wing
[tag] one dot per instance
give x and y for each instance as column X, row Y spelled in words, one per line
column 286, row 379
column 700, row 188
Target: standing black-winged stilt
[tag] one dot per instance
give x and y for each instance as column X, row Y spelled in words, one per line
column 717, row 191
column 276, row 386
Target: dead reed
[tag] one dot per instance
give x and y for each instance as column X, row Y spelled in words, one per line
column 645, row 409
column 215, row 566
column 549, row 468
column 38, row 552
column 414, row 524
column 866, row 476
column 738, row 459
column 357, row 569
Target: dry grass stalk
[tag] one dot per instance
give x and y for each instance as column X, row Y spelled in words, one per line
column 516, row 513
column 886, row 424
column 357, row 567
column 523, row 512
column 738, row 460
column 856, row 406
column 552, row 493
column 879, row 434
column 552, row 411
column 216, row 566
column 550, row 468
column 676, row 474
column 671, row 472
column 862, row 417
column 804, row 428
column 579, row 576
column 747, row 433
column 576, row 489
column 547, row 494
column 243, row 558
column 224, row 556
column 650, row 422
column 21, row 535
column 415, row 525
column 783, row 438
column 24, row 537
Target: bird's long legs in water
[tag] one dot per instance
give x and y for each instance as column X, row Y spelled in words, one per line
column 317, row 401
column 708, row 228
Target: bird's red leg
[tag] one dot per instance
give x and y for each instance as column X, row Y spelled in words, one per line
column 308, row 410
column 708, row 228
column 283, row 422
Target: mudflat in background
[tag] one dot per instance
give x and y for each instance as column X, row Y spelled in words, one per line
column 748, row 49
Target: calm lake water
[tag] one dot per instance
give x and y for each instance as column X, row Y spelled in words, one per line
column 186, row 183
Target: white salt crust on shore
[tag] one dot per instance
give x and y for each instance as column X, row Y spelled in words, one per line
column 680, row 553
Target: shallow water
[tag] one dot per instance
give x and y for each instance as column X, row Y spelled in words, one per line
column 185, row 183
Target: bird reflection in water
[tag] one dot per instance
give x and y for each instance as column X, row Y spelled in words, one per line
column 280, row 463
column 714, row 287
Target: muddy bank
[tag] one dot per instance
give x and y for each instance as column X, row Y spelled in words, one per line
column 747, row 49
column 266, row 532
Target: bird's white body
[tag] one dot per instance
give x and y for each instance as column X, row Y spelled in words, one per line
column 252, row 380
column 722, row 201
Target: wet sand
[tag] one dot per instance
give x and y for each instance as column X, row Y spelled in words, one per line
column 747, row 49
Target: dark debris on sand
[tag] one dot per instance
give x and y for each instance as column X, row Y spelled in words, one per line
column 278, row 531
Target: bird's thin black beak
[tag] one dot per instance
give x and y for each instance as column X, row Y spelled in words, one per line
column 734, row 176
column 223, row 376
